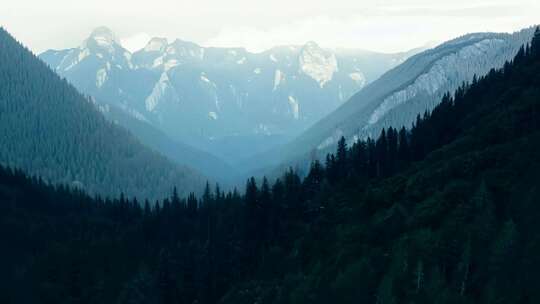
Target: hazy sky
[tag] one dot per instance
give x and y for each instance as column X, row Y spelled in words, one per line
column 382, row 25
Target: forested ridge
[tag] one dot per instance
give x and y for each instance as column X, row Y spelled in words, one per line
column 49, row 129
column 445, row 212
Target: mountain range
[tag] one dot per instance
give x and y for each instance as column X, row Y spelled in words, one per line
column 443, row 212
column 227, row 101
column 400, row 95
column 262, row 112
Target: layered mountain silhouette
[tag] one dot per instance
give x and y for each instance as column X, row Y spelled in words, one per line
column 211, row 97
column 400, row 95
column 48, row 129
column 443, row 212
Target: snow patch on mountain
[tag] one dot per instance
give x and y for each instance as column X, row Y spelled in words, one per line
column 83, row 54
column 157, row 62
column 205, row 79
column 170, row 64
column 359, row 78
column 295, row 107
column 317, row 63
column 101, row 77
column 160, row 90
column 279, row 77
column 213, row 115
column 70, row 66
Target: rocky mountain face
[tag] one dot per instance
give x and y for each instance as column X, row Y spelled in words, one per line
column 205, row 96
column 401, row 94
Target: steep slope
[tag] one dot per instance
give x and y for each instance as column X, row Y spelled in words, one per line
column 49, row 129
column 197, row 95
column 406, row 91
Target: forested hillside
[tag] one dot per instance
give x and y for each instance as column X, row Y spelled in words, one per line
column 445, row 212
column 47, row 128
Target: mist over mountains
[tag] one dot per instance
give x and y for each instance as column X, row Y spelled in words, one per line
column 444, row 211
column 400, row 95
column 227, row 101
column 282, row 107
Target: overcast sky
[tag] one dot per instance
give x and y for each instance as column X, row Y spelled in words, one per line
column 380, row 25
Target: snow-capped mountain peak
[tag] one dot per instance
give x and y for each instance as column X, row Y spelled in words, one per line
column 317, row 63
column 101, row 50
column 159, row 54
column 156, row 44
column 102, row 37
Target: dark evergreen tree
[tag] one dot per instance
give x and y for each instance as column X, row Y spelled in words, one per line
column 392, row 138
column 404, row 149
column 341, row 157
column 381, row 152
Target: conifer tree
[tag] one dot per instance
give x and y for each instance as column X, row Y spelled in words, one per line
column 341, row 156
column 403, row 150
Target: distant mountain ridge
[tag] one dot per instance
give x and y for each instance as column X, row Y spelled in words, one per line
column 403, row 93
column 49, row 129
column 200, row 94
